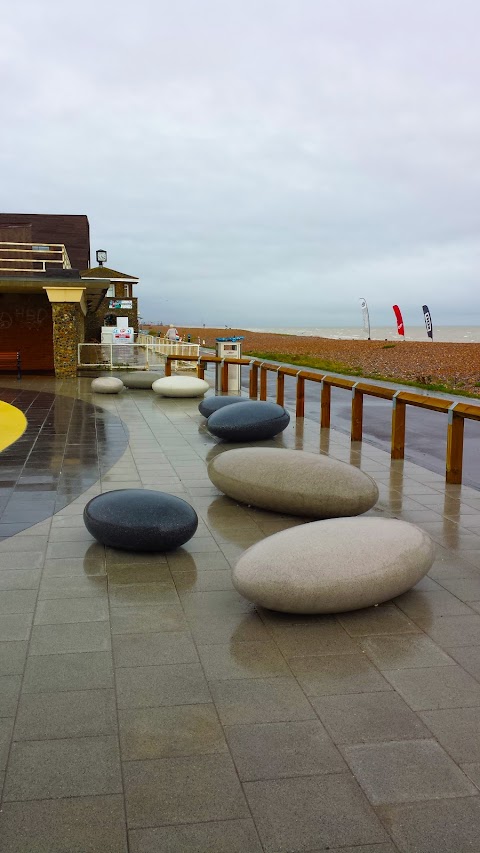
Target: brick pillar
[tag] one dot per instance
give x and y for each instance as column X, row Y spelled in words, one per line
column 68, row 310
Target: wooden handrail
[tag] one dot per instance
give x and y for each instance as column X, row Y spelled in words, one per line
column 457, row 413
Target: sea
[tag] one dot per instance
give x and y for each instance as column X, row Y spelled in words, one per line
column 444, row 334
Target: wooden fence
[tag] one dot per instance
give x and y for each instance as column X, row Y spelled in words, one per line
column 258, row 372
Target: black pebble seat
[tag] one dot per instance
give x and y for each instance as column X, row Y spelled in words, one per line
column 140, row 520
column 212, row 404
column 254, row 420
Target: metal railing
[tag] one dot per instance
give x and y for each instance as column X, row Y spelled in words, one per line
column 33, row 256
column 168, row 348
column 457, row 413
column 147, row 351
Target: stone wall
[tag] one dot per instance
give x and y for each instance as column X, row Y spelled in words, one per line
column 94, row 322
column 68, row 332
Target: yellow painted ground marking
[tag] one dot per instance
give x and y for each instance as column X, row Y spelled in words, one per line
column 13, row 424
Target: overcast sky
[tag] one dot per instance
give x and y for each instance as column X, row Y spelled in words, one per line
column 256, row 162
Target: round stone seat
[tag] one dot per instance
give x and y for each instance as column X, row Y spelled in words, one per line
column 107, row 385
column 180, row 386
column 335, row 565
column 140, row 520
column 212, row 404
column 254, row 420
column 140, row 379
column 293, row 482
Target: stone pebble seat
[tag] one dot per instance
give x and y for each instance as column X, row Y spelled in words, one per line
column 293, row 482
column 107, row 385
column 180, row 386
column 254, row 420
column 140, row 379
column 140, row 520
column 335, row 565
column 212, row 404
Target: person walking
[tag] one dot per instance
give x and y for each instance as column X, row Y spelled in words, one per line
column 172, row 334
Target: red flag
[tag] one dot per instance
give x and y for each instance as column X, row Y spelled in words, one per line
column 398, row 315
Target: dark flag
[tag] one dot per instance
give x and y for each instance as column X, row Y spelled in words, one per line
column 398, row 315
column 428, row 321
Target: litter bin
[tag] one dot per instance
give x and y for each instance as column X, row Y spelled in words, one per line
column 229, row 348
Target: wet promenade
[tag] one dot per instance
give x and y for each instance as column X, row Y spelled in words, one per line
column 146, row 707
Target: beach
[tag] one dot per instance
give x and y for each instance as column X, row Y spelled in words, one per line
column 455, row 365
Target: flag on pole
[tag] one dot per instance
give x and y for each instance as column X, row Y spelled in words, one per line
column 366, row 318
column 428, row 321
column 400, row 326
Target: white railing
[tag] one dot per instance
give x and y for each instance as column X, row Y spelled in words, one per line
column 146, row 352
column 164, row 347
column 26, row 258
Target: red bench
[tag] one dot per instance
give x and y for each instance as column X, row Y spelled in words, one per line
column 11, row 361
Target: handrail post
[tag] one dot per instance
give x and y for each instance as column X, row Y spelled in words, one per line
column 200, row 369
column 454, row 461
column 263, row 382
column 253, row 381
column 300, row 406
column 224, row 372
column 168, row 367
column 325, row 404
column 357, row 414
column 399, row 412
column 280, row 387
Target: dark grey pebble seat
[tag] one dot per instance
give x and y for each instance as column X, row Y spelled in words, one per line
column 254, row 420
column 140, row 520
column 212, row 404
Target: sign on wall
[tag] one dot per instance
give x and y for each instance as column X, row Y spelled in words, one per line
column 120, row 303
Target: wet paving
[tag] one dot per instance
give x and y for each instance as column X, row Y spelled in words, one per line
column 65, row 447
column 145, row 706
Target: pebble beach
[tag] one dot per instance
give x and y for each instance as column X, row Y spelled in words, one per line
column 454, row 365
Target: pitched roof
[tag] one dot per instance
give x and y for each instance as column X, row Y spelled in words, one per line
column 105, row 272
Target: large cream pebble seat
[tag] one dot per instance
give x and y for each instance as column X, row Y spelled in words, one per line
column 107, row 385
column 293, row 482
column 180, row 386
column 334, row 565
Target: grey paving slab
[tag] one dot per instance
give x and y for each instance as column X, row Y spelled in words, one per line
column 228, row 836
column 15, row 626
column 368, row 718
column 74, row 767
column 444, row 826
column 278, row 750
column 435, row 687
column 458, row 731
column 163, row 732
column 149, row 686
column 406, row 771
column 260, row 700
column 73, row 637
column 319, row 676
column 242, row 660
column 12, row 657
column 9, row 692
column 153, row 649
column 77, row 825
column 62, row 611
column 76, row 671
column 66, row 715
column 312, row 812
column 404, row 652
column 180, row 790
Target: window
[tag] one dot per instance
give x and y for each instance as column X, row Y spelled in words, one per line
column 126, row 290
column 111, row 290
